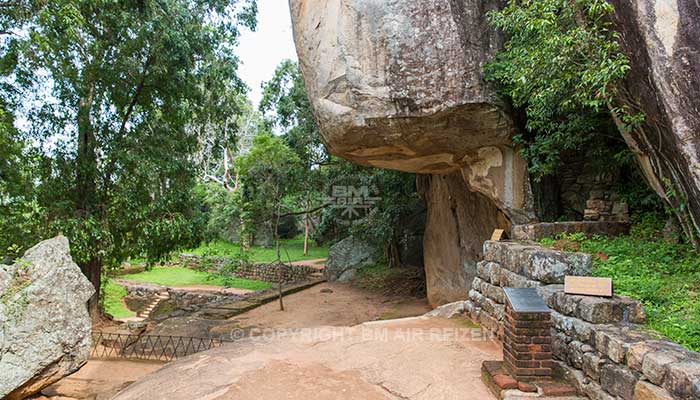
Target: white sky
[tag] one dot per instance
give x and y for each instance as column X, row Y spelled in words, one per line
column 261, row 51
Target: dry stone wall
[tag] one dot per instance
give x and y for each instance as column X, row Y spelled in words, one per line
column 257, row 271
column 598, row 341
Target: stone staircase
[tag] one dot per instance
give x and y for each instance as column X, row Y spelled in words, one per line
column 164, row 295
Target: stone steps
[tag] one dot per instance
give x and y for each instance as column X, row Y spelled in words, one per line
column 149, row 308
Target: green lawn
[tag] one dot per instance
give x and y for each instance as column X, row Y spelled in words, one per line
column 291, row 250
column 665, row 277
column 113, row 295
column 182, row 277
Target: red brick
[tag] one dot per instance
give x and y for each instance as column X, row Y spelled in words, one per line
column 542, row 356
column 527, row 387
column 505, row 382
column 542, row 340
column 558, row 390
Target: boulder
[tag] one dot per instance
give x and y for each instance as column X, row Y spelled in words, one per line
column 399, row 85
column 662, row 41
column 44, row 323
column 347, row 256
column 457, row 224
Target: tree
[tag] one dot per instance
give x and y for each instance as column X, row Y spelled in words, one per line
column 270, row 178
column 560, row 65
column 270, row 175
column 285, row 105
column 110, row 87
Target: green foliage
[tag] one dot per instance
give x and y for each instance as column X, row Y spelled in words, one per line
column 560, row 65
column 183, row 277
column 269, row 173
column 291, row 250
column 665, row 277
column 221, row 211
column 110, row 90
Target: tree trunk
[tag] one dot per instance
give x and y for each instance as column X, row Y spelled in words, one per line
column 86, row 187
column 93, row 271
column 306, row 234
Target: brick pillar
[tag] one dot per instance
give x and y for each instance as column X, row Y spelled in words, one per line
column 527, row 344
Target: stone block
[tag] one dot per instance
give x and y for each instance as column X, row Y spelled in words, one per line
column 596, row 310
column 536, row 262
column 683, row 379
column 618, row 380
column 614, row 341
column 592, row 365
column 647, row 391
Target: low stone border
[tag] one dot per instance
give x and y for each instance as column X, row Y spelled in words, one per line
column 543, row 230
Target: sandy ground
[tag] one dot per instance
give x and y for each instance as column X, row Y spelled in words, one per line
column 327, row 304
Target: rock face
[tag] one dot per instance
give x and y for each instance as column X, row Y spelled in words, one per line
column 44, row 323
column 458, row 223
column 662, row 41
column 399, row 85
column 372, row 361
column 347, row 256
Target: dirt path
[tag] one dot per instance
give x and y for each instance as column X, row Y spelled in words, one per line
column 327, row 304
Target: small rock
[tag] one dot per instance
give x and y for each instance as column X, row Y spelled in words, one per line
column 326, row 290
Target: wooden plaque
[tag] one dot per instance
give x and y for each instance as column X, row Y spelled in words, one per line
column 587, row 285
column 497, row 234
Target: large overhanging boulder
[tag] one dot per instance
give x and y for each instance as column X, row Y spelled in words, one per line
column 662, row 40
column 44, row 324
column 398, row 85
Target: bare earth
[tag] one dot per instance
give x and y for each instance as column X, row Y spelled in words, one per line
column 344, row 305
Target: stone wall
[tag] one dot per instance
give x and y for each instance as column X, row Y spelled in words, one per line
column 140, row 295
column 597, row 340
column 543, row 230
column 275, row 272
column 256, row 271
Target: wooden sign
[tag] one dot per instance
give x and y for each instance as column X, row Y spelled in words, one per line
column 497, row 234
column 587, row 285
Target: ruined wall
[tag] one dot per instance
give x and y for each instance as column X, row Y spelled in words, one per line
column 597, row 340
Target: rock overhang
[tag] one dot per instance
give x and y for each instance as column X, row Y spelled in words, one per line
column 399, row 85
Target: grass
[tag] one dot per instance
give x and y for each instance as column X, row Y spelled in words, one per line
column 291, row 250
column 183, row 277
column 665, row 277
column 113, row 304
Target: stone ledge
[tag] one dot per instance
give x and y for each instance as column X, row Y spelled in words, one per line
column 596, row 310
column 553, row 229
column 536, row 262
